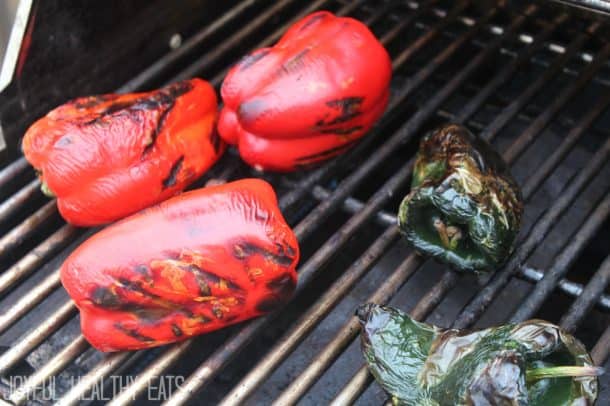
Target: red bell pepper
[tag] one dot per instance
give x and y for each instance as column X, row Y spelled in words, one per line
column 105, row 157
column 307, row 98
column 190, row 265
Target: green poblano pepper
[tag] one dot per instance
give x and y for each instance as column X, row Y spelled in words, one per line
column 530, row 363
column 464, row 207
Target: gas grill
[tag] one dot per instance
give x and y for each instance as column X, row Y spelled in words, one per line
column 533, row 78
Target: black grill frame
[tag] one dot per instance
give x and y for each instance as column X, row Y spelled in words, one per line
column 329, row 199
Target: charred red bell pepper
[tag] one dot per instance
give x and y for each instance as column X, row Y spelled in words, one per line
column 105, row 157
column 307, row 98
column 192, row 264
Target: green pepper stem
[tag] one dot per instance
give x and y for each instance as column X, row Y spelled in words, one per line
column 45, row 189
column 560, row 372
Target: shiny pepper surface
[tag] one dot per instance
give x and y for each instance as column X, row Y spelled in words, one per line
column 531, row 363
column 193, row 264
column 309, row 97
column 464, row 208
column 105, row 157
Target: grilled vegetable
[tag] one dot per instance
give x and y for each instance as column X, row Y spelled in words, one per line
column 464, row 208
column 192, row 264
column 307, row 98
column 529, row 363
column 105, row 157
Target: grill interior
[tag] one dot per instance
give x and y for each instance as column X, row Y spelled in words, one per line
column 533, row 79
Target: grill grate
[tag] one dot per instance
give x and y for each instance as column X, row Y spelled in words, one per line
column 517, row 76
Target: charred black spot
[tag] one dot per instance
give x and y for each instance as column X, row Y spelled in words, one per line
column 176, row 90
column 341, row 131
column 106, row 298
column 202, row 319
column 158, row 128
column 136, row 287
column 215, row 140
column 325, row 154
column 172, row 176
column 312, row 20
column 217, row 312
column 147, row 314
column 251, row 109
column 204, row 278
column 291, row 252
column 349, row 108
column 133, row 333
column 294, row 63
column 269, row 304
column 282, row 286
column 204, row 288
column 144, row 271
column 246, row 249
column 251, row 59
column 177, row 331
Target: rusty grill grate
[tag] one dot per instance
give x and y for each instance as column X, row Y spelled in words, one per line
column 533, row 80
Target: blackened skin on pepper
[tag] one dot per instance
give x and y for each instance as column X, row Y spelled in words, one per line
column 464, row 208
column 531, row 363
column 190, row 265
column 105, row 157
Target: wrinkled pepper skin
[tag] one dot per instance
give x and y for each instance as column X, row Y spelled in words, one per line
column 464, row 208
column 309, row 97
column 420, row 364
column 105, row 157
column 193, row 264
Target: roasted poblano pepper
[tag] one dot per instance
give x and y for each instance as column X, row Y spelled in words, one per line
column 529, row 363
column 464, row 207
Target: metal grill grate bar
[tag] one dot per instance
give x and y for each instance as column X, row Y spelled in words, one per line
column 583, row 304
column 35, row 258
column 11, row 171
column 562, row 264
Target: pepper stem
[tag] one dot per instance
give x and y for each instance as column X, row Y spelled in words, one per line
column 45, row 189
column 536, row 374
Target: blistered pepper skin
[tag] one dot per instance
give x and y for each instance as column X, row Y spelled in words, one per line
column 193, row 264
column 420, row 364
column 464, row 208
column 105, row 157
column 309, row 97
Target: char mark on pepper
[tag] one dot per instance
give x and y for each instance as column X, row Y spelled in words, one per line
column 172, row 176
column 177, row 331
column 246, row 249
column 104, row 297
column 324, row 154
column 349, row 108
column 158, row 128
column 314, row 19
column 134, row 333
column 144, row 271
column 203, row 279
column 341, row 131
column 293, row 64
column 250, row 59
